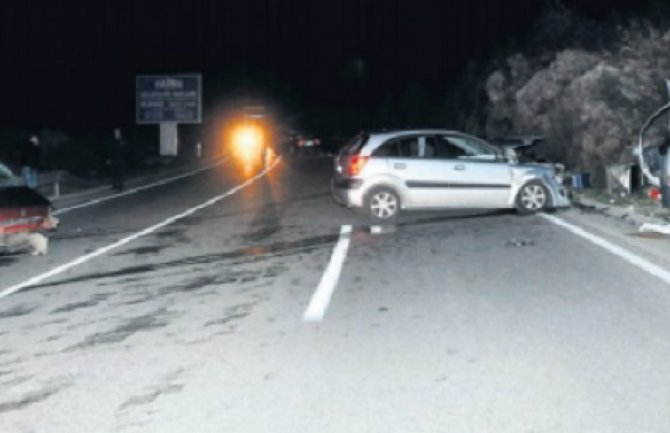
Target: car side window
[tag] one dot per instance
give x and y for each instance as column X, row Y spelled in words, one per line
column 387, row 150
column 445, row 149
column 409, row 147
column 406, row 147
column 430, row 148
column 465, row 148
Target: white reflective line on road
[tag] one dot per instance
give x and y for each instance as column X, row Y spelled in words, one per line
column 630, row 257
column 138, row 189
column 321, row 298
column 101, row 251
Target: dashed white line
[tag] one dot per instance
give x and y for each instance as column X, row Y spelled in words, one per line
column 318, row 305
column 101, row 251
column 138, row 189
column 628, row 256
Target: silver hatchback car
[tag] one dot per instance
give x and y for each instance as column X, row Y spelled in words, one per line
column 384, row 173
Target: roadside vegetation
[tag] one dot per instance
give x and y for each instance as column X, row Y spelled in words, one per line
column 585, row 84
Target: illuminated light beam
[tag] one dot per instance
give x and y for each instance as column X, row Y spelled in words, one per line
column 247, row 143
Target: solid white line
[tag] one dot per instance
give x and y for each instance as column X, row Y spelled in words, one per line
column 321, row 298
column 99, row 252
column 138, row 189
column 632, row 258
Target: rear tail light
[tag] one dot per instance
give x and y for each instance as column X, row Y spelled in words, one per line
column 356, row 164
column 317, row 142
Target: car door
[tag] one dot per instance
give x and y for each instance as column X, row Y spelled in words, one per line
column 478, row 178
column 405, row 156
column 412, row 164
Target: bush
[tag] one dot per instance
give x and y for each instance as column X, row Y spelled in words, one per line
column 586, row 86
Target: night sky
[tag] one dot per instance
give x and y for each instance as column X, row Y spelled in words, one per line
column 72, row 64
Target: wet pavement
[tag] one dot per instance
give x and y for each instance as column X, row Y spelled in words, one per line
column 447, row 321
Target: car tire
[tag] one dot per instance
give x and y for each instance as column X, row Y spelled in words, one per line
column 533, row 197
column 382, row 205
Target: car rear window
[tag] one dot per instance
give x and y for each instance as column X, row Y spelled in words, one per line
column 354, row 145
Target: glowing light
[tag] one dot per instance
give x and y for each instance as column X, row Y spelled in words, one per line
column 247, row 143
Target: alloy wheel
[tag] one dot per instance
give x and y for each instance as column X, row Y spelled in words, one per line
column 383, row 205
column 533, row 197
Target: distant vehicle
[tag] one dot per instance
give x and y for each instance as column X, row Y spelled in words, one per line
column 384, row 173
column 303, row 144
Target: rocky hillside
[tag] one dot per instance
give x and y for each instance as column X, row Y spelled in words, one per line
column 586, row 86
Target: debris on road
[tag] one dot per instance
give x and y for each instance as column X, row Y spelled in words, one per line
column 382, row 229
column 649, row 235
column 520, row 243
column 37, row 243
column 657, row 228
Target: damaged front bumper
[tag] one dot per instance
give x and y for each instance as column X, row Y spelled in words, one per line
column 560, row 197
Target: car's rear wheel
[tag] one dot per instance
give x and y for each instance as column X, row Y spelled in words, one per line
column 533, row 197
column 383, row 204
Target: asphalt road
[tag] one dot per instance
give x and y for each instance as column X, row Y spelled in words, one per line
column 447, row 322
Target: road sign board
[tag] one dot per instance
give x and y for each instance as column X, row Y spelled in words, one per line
column 169, row 98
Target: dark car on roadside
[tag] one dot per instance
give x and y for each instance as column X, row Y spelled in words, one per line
column 22, row 209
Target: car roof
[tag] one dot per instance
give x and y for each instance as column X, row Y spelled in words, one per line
column 413, row 131
column 378, row 137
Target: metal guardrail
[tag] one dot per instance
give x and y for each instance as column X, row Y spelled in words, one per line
column 49, row 183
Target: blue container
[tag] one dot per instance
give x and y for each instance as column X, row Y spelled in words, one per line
column 581, row 180
column 577, row 181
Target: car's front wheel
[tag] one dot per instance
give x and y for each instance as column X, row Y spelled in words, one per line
column 383, row 204
column 533, row 197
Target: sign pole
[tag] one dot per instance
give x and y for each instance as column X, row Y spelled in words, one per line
column 169, row 139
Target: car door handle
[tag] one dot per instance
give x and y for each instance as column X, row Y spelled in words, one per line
column 459, row 167
column 399, row 166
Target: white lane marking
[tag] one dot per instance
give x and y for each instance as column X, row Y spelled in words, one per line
column 99, row 252
column 321, row 298
column 634, row 259
column 375, row 230
column 138, row 189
